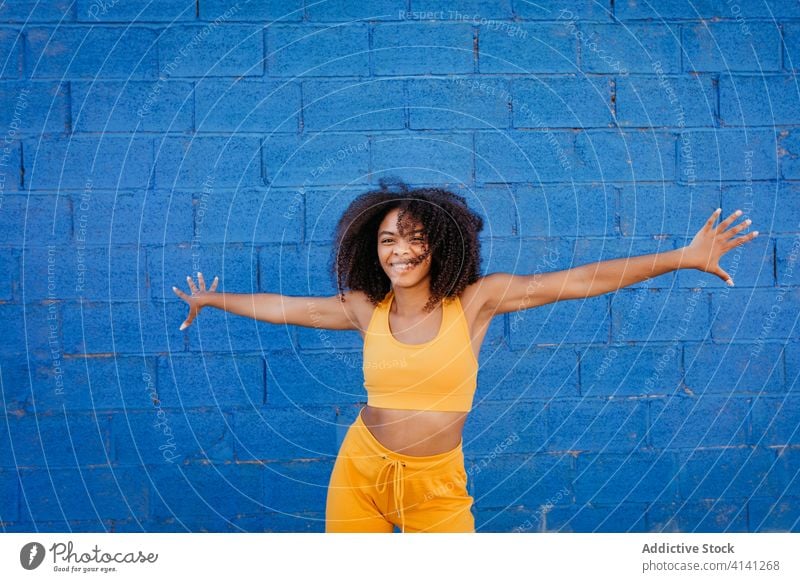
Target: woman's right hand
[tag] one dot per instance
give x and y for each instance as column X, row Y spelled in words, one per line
column 197, row 300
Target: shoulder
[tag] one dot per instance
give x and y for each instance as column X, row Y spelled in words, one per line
column 359, row 307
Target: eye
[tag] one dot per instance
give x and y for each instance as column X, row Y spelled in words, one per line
column 386, row 240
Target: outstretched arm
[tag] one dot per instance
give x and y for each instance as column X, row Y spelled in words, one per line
column 320, row 312
column 504, row 292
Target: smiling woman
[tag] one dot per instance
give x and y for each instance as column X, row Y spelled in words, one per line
column 407, row 271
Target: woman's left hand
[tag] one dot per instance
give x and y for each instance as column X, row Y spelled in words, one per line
column 711, row 242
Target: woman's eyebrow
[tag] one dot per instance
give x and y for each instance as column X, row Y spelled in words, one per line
column 392, row 232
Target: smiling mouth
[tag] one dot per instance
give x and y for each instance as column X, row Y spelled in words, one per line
column 402, row 266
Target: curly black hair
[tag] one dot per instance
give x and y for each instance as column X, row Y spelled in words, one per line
column 451, row 233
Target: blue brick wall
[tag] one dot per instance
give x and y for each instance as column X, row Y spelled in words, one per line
column 146, row 141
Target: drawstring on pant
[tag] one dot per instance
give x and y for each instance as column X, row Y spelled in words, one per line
column 397, row 465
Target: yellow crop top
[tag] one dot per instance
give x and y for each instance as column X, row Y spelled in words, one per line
column 440, row 374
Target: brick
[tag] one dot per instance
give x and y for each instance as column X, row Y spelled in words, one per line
column 11, row 168
column 92, row 274
column 222, row 161
column 681, row 422
column 35, row 220
column 624, row 156
column 519, row 480
column 130, row 327
column 787, row 253
column 674, row 209
column 508, row 519
column 500, row 428
column 11, row 50
column 618, row 370
column 236, row 268
column 422, row 48
column 764, row 204
column 32, row 330
column 323, row 209
column 209, row 380
column 622, row 50
column 128, row 106
column 9, row 265
column 562, row 102
column 792, row 362
column 93, row 383
column 757, row 100
column 247, row 105
column 84, row 494
column 694, row 9
column 729, row 473
column 318, row 159
column 164, row 11
column 268, row 10
column 458, row 102
column 774, row 515
column 16, row 387
column 668, row 101
column 431, row 156
column 756, row 313
column 33, row 107
column 789, row 154
column 622, row 518
column 344, row 11
column 92, row 52
column 247, row 216
column 60, row 441
column 733, row 368
column 641, row 477
column 585, row 320
column 470, row 10
column 670, row 316
column 531, row 48
column 88, row 163
column 554, row 10
column 748, row 154
column 142, row 217
column 346, row 105
column 565, row 211
column 775, row 420
column 303, row 378
column 721, row 46
column 553, row 373
column 307, row 51
column 523, row 156
column 35, row 11
column 593, row 424
column 297, row 486
column 296, row 270
column 9, row 497
column 170, row 435
column 496, row 207
column 284, row 433
column 791, row 42
column 212, row 50
column 297, row 522
column 704, row 515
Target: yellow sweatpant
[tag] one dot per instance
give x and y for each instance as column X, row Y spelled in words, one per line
column 372, row 489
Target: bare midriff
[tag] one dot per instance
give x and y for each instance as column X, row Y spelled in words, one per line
column 415, row 432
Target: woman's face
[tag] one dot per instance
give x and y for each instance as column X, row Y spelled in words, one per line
column 394, row 250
